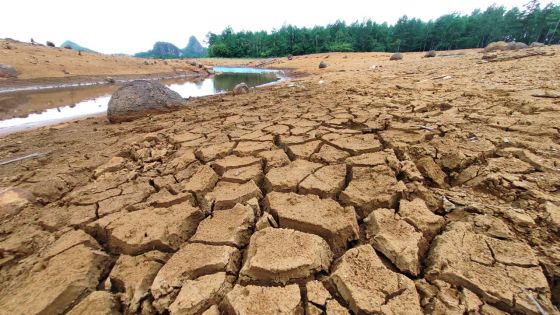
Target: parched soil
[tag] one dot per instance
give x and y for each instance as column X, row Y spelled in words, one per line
column 423, row 186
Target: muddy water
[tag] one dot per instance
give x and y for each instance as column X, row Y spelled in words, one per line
column 20, row 111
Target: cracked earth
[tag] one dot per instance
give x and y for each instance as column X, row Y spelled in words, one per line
column 378, row 191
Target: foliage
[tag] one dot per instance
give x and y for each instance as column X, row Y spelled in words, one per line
column 451, row 31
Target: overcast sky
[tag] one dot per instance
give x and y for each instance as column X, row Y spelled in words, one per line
column 127, row 26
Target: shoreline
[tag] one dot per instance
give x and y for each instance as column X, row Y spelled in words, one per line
column 43, row 84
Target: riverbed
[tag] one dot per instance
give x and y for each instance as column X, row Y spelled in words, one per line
column 31, row 109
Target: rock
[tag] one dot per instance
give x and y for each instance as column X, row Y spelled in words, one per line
column 246, row 148
column 499, row 271
column 515, row 46
column 322, row 65
column 109, row 80
column 214, row 151
column 226, row 227
column 431, row 170
column 241, row 88
column 244, row 174
column 369, row 287
column 190, row 262
column 430, row 54
column 326, row 182
column 496, row 46
column 13, row 200
column 50, row 44
column 226, row 195
column 396, row 56
column 161, row 228
column 65, row 278
column 98, row 302
column 266, row 220
column 371, row 188
column 116, row 163
column 251, row 299
column 213, row 310
column 552, row 215
column 303, row 150
column 197, row 295
column 329, row 154
column 68, row 240
column 132, row 276
column 231, row 162
column 396, row 239
column 203, row 181
column 316, row 293
column 334, row 308
column 287, row 178
column 281, row 255
column 274, row 158
column 7, row 71
column 309, row 214
column 536, row 44
column 357, row 144
column 290, row 57
column 140, row 98
column 416, row 213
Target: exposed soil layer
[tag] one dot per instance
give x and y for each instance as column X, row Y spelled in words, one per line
column 421, row 186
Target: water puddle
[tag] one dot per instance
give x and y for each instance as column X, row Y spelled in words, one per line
column 42, row 108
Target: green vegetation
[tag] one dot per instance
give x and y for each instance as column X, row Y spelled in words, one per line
column 452, row 31
column 75, row 46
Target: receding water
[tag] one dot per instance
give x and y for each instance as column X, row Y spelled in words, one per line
column 42, row 108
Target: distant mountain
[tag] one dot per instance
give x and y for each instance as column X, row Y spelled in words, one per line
column 75, row 46
column 168, row 51
column 194, row 49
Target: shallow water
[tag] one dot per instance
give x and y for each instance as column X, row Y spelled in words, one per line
column 42, row 108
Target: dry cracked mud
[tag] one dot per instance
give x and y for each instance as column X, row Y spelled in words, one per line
column 385, row 190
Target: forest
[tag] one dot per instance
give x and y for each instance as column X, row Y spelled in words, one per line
column 530, row 23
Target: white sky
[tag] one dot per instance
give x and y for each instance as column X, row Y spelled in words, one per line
column 127, row 26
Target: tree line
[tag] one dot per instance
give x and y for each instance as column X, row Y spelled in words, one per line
column 530, row 23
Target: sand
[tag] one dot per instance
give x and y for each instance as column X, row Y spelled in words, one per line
column 423, row 186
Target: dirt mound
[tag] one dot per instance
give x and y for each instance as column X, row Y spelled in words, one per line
column 496, row 46
column 140, row 98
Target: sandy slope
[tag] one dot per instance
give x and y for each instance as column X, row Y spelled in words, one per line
column 421, row 186
column 37, row 62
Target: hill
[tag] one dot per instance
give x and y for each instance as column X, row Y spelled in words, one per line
column 75, row 46
column 165, row 50
column 194, row 49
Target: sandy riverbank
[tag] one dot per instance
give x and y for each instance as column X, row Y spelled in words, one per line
column 419, row 186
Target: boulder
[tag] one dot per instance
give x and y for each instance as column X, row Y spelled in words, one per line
column 7, row 71
column 139, row 98
column 536, row 44
column 396, row 56
column 496, row 46
column 322, row 65
column 50, row 44
column 516, row 46
column 241, row 88
column 290, row 57
column 430, row 54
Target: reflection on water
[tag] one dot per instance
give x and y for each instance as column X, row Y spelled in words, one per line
column 63, row 105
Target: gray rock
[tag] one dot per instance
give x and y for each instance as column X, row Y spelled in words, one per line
column 7, row 71
column 430, row 54
column 139, row 98
column 322, row 65
column 516, row 46
column 536, row 44
column 290, row 57
column 241, row 88
column 396, row 56
column 50, row 44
